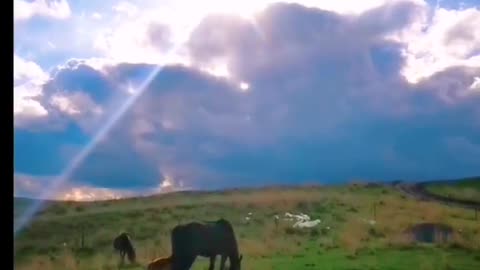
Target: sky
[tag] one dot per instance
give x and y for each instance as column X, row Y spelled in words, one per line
column 217, row 94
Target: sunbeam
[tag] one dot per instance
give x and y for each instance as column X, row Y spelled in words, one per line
column 80, row 157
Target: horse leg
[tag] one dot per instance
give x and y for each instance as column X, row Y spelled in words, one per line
column 176, row 263
column 212, row 263
column 223, row 259
column 188, row 262
column 122, row 257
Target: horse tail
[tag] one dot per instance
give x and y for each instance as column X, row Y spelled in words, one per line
column 130, row 249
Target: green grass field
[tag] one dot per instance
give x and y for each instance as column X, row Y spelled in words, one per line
column 343, row 240
column 468, row 189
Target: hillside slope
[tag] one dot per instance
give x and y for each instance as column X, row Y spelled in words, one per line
column 346, row 237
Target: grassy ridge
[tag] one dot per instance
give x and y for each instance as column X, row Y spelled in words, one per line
column 468, row 189
column 342, row 241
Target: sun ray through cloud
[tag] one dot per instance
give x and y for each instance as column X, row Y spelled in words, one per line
column 85, row 151
column 281, row 85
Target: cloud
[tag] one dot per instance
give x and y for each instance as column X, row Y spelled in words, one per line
column 446, row 38
column 28, row 80
column 26, row 186
column 138, row 40
column 160, row 36
column 454, row 84
column 475, row 86
column 327, row 100
column 129, row 37
column 56, row 9
column 31, row 187
column 51, row 102
column 96, row 16
column 126, row 7
column 303, row 30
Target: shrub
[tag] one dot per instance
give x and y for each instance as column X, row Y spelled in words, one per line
column 58, row 210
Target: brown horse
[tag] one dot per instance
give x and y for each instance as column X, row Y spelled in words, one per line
column 207, row 239
column 122, row 244
column 164, row 263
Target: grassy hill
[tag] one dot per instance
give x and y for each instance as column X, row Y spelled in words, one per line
column 465, row 189
column 343, row 240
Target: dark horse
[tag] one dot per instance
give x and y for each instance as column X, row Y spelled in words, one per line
column 122, row 244
column 207, row 239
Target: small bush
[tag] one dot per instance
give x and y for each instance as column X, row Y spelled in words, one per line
column 303, row 206
column 352, row 256
column 84, row 252
column 352, row 209
column 324, row 231
column 372, row 231
column 58, row 210
column 295, row 231
column 290, row 230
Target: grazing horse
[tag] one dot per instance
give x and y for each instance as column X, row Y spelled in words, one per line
column 207, row 239
column 122, row 244
column 164, row 263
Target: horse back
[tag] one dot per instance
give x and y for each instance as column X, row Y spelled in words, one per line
column 205, row 239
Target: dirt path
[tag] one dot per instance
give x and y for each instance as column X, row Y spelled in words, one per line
column 418, row 191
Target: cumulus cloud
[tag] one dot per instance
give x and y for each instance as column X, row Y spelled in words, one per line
column 143, row 40
column 441, row 40
column 28, row 81
column 327, row 100
column 293, row 33
column 57, row 9
column 152, row 34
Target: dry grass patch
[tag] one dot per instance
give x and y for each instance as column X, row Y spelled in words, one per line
column 354, row 236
